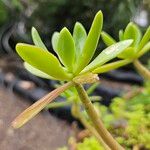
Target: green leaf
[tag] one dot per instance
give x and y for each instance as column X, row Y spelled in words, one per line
column 54, row 40
column 66, row 49
column 37, row 72
column 90, row 43
column 145, row 39
column 92, row 88
column 36, row 39
column 42, row 60
column 145, row 49
column 121, row 35
column 108, row 54
column 112, row 66
column 129, row 52
column 108, row 40
column 132, row 32
column 79, row 36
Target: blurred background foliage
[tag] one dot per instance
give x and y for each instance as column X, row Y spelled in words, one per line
column 48, row 15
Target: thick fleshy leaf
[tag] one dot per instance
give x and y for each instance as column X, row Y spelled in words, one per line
column 108, row 54
column 42, row 60
column 112, row 66
column 54, row 40
column 37, row 72
column 90, row 43
column 108, row 40
column 132, row 32
column 128, row 53
column 79, row 36
column 34, row 109
column 144, row 50
column 145, row 39
column 121, row 35
column 36, row 39
column 66, row 49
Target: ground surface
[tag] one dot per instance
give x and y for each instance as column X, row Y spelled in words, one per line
column 44, row 132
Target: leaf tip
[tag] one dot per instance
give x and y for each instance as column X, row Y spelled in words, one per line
column 18, row 46
column 64, row 29
column 65, row 32
column 77, row 24
column 131, row 23
column 15, row 124
column 103, row 33
column 99, row 14
column 129, row 42
column 33, row 29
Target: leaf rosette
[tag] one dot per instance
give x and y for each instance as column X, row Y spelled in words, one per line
column 72, row 63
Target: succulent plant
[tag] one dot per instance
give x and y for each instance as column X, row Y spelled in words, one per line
column 73, row 65
column 140, row 45
column 74, row 52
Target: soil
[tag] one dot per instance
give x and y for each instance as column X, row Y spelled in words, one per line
column 43, row 132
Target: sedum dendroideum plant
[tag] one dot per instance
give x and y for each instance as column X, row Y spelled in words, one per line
column 140, row 46
column 73, row 66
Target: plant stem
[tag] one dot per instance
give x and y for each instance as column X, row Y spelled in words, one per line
column 88, row 126
column 99, row 126
column 142, row 70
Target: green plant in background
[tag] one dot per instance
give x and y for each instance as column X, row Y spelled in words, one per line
column 3, row 13
column 74, row 53
column 127, row 118
column 81, row 10
column 89, row 144
column 6, row 9
column 138, row 48
column 29, row 14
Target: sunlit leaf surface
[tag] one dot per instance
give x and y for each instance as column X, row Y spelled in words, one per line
column 91, row 42
column 42, row 60
column 108, row 54
column 66, row 49
column 37, row 72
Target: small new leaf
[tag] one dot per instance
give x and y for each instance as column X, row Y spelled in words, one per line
column 54, row 40
column 108, row 40
column 36, row 39
column 132, row 32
